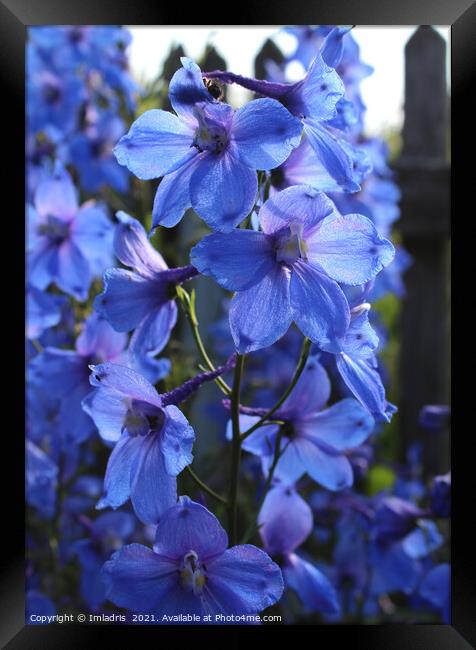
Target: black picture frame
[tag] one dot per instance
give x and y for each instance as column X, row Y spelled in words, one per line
column 15, row 16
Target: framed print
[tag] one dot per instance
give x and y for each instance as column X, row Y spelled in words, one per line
column 237, row 363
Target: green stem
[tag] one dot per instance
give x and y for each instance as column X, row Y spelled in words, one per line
column 235, row 450
column 188, row 303
column 205, row 487
column 278, row 452
column 306, row 346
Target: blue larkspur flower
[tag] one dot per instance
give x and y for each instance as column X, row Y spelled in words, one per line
column 290, row 271
column 66, row 244
column 191, row 570
column 206, row 145
column 315, row 438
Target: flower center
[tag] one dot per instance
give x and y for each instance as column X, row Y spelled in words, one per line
column 290, row 244
column 55, row 229
column 192, row 573
column 210, row 135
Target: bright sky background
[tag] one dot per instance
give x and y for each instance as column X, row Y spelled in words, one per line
column 382, row 47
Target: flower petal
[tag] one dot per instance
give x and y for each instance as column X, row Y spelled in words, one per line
column 74, row 272
column 349, row 249
column 311, row 392
column 189, row 526
column 125, row 381
column 328, row 468
column 285, row 519
column 153, row 333
column 264, row 133
column 261, row 315
column 237, row 260
column 138, row 579
column 117, row 481
column 223, row 190
column 157, row 143
column 173, row 195
column 244, row 579
column 153, row 490
column 344, row 425
column 320, row 307
column 176, row 441
column 133, row 248
column 56, row 195
column 315, row 590
column 186, row 89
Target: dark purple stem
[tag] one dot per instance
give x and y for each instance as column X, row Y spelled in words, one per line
column 188, row 388
column 246, row 410
column 269, row 88
column 180, row 274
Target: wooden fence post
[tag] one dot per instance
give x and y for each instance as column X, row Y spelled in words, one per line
column 424, row 177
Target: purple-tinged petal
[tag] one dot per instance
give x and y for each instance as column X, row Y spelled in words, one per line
column 57, row 371
column 133, row 248
column 153, row 490
column 261, row 315
column 285, row 520
column 186, row 89
column 245, row 580
column 349, row 249
column 223, row 190
column 332, row 155
column 326, row 467
column 157, row 143
column 297, row 204
column 153, row 333
column 290, row 467
column 74, row 272
column 43, row 311
column 128, row 298
column 264, row 133
column 138, row 579
column 117, row 481
column 261, row 442
column 42, row 265
column 366, row 385
column 237, row 260
column 189, row 526
column 99, row 339
column 311, row 392
column 344, row 425
column 125, row 381
column 176, row 441
column 108, row 411
column 320, row 307
column 56, row 195
column 315, row 590
column 173, row 195
column 92, row 232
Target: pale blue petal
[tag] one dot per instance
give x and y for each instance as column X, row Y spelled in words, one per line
column 349, row 249
column 264, row 133
column 285, row 520
column 176, row 441
column 133, row 248
column 117, row 481
column 74, row 272
column 320, row 307
column 223, row 190
column 125, row 381
column 237, row 260
column 173, row 196
column 261, row 315
column 315, row 590
column 157, row 143
column 244, row 580
column 330, row 469
column 153, row 333
column 344, row 425
column 190, row 526
column 310, row 394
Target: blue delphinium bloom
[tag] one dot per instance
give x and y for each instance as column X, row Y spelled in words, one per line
column 207, row 144
column 90, row 152
column 315, row 438
column 153, row 443
column 66, row 244
column 142, row 299
column 191, row 571
column 107, row 533
column 286, row 521
column 43, row 310
column 64, row 374
column 291, row 270
column 357, row 365
column 436, row 589
column 41, row 474
column 315, row 100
